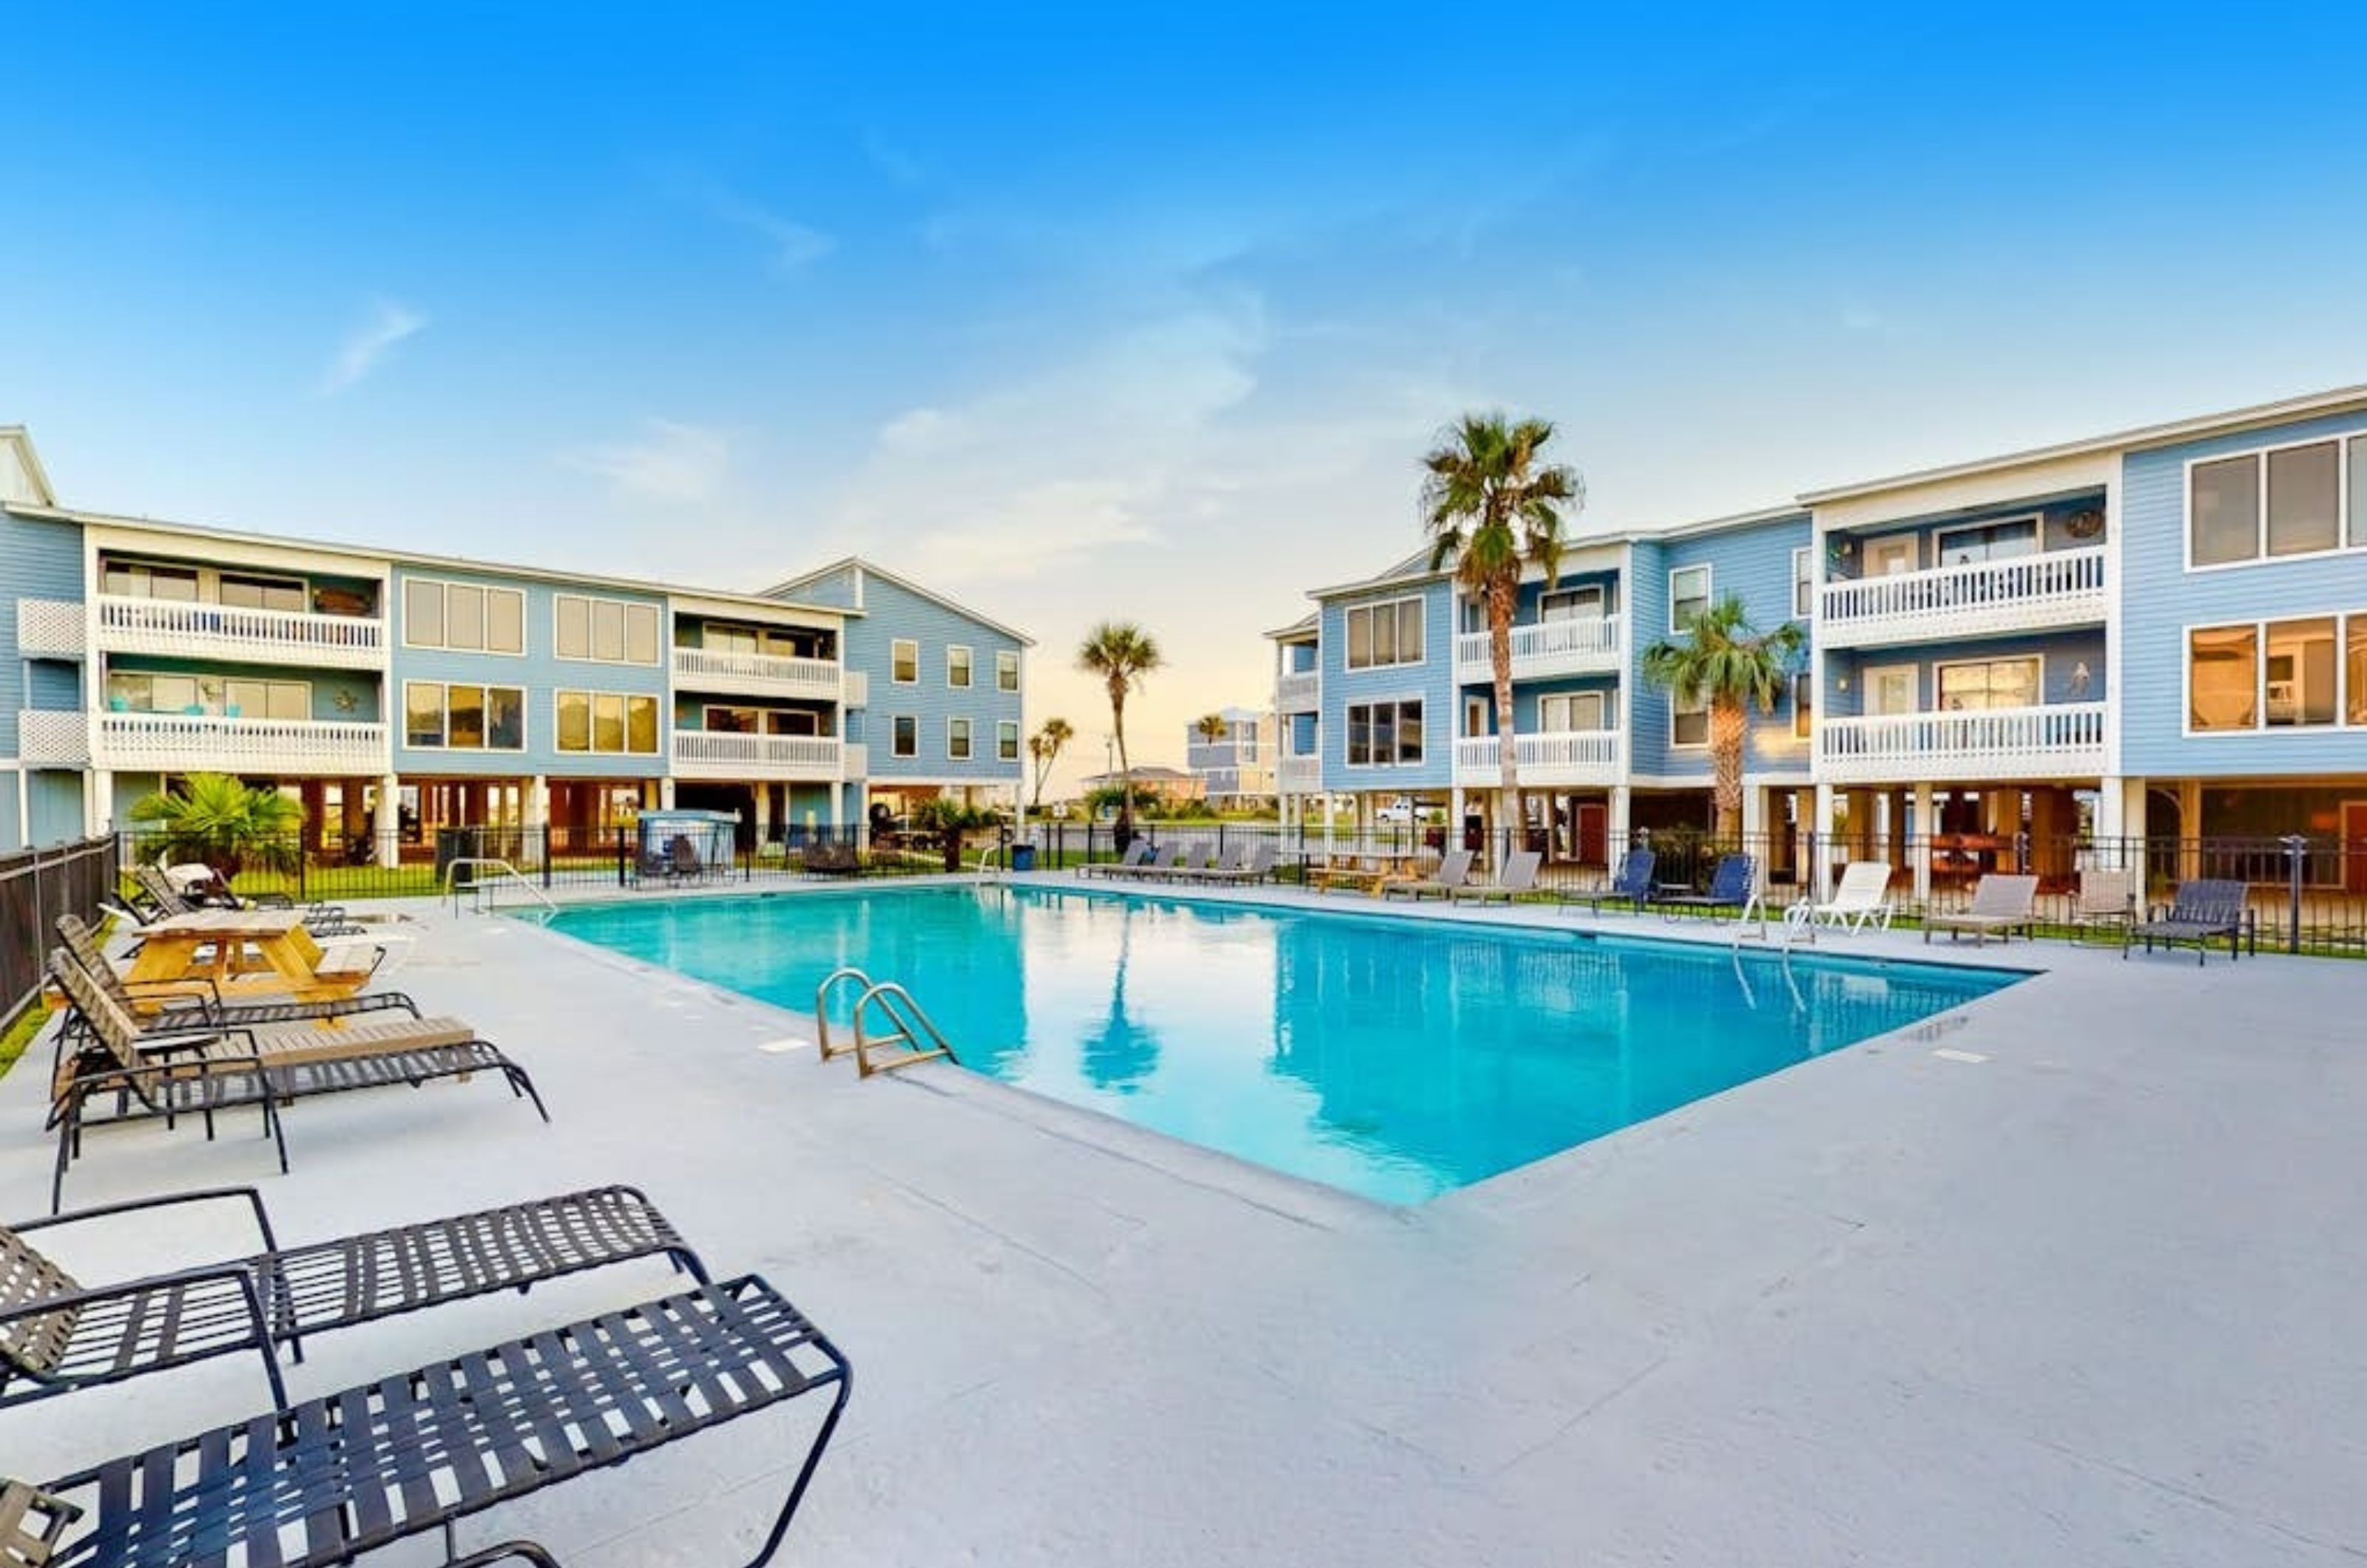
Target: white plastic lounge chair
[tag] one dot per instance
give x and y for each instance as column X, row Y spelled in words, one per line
column 1859, row 899
column 2000, row 905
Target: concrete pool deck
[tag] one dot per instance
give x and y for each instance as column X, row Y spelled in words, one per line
column 2071, row 1275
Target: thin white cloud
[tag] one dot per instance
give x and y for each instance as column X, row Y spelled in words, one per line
column 794, row 246
column 367, row 345
column 893, row 161
column 671, row 462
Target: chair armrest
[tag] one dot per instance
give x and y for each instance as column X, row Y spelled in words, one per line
column 270, row 901
column 191, row 1345
column 253, row 1197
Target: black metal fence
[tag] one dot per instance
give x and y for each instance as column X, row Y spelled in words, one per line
column 36, row 887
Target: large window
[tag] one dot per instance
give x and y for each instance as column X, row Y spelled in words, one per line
column 245, row 591
column 2223, row 678
column 1688, row 595
column 1385, row 634
column 1568, row 711
column 605, row 631
column 904, row 661
column 957, row 668
column 2300, row 673
column 138, row 691
column 618, row 724
column 1384, row 735
column 1987, row 541
column 2285, row 502
column 958, row 740
column 1688, row 720
column 463, row 616
column 463, row 717
column 1804, row 705
column 137, row 580
column 1977, row 684
column 1572, row 604
column 1006, row 740
column 1006, row 671
column 906, row 742
column 2308, row 674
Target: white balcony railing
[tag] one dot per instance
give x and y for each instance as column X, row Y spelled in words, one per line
column 185, row 630
column 1581, row 645
column 2060, row 741
column 727, row 755
column 1298, row 691
column 1565, row 758
column 160, row 742
column 52, row 737
column 760, row 674
column 49, row 629
column 2057, row 588
column 1300, row 775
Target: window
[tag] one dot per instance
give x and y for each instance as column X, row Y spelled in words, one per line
column 463, row 717
column 1803, row 582
column 904, row 661
column 267, row 699
column 957, row 668
column 1570, row 605
column 1688, row 720
column 1804, row 696
column 2284, row 502
column 463, row 616
column 1384, row 735
column 2223, row 678
column 2355, row 657
column 1688, row 595
column 1568, row 711
column 243, row 592
column 605, row 631
column 1986, row 541
column 607, row 723
column 1386, row 634
column 2358, row 534
column 1006, row 671
column 1006, row 740
column 1988, row 684
column 907, row 739
column 958, row 740
column 2300, row 673
column 135, row 580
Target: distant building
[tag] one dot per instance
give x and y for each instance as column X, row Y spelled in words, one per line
column 1236, row 768
column 1171, row 786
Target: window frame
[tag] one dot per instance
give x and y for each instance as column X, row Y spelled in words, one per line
column 1006, row 740
column 961, row 724
column 444, row 586
column 2037, row 521
column 303, row 587
column 1938, row 693
column 1680, row 708
column 2259, row 627
column 1371, row 609
column 1804, row 576
column 2350, row 455
column 1006, row 661
column 525, row 710
column 1396, row 707
column 895, row 660
column 1708, row 594
column 968, row 667
column 591, row 747
column 1601, row 700
column 627, row 609
column 1804, row 705
column 895, row 750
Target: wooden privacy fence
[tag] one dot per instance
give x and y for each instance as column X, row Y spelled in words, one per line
column 36, row 887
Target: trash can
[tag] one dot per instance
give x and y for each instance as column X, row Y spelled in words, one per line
column 461, row 844
column 1023, row 857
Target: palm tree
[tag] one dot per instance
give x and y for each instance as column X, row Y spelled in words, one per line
column 217, row 820
column 1727, row 663
column 1044, row 748
column 1211, row 727
column 1494, row 510
column 1121, row 653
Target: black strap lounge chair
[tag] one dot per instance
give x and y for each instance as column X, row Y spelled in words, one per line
column 321, row 920
column 324, row 1482
column 58, row 1334
column 122, row 1073
column 1633, row 887
column 2199, row 911
column 1731, row 887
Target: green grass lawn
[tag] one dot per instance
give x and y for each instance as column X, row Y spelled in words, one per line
column 22, row 1034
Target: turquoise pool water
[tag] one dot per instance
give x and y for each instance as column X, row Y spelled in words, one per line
column 1393, row 1058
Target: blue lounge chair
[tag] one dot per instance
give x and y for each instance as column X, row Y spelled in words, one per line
column 1731, row 887
column 1632, row 887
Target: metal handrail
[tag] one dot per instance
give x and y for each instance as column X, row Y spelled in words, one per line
column 478, row 885
column 822, row 1007
column 908, row 1028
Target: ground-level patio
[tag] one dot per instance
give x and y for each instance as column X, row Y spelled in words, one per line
column 2071, row 1275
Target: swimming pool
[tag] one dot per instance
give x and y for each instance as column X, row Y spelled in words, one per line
column 1391, row 1057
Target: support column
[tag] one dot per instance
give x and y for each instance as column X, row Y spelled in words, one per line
column 389, row 826
column 1918, row 845
column 1822, row 872
column 2190, row 828
column 97, row 801
column 665, row 794
column 1617, row 815
column 1754, row 820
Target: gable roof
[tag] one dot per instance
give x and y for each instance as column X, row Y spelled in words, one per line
column 872, row 568
column 19, row 442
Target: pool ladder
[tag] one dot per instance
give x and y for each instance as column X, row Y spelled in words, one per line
column 903, row 1036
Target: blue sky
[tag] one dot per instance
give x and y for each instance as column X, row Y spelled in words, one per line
column 1144, row 311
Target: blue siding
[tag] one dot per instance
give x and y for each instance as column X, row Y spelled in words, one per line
column 540, row 672
column 39, row 559
column 2062, row 654
column 55, row 799
column 891, row 612
column 1753, row 561
column 2161, row 599
column 839, row 588
column 1432, row 681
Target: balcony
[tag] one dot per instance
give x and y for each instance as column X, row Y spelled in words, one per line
column 756, row 674
column 1301, row 775
column 180, row 743
column 1548, row 760
column 2058, row 587
column 49, row 629
column 180, row 630
column 2062, row 740
column 1586, row 645
column 728, row 754
column 1298, row 691
column 52, row 738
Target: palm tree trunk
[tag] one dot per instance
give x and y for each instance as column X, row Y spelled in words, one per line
column 1728, row 730
column 1125, row 769
column 1501, row 594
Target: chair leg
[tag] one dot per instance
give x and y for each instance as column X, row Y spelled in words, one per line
column 805, row 1471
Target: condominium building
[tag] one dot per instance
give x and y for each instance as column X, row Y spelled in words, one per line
column 1235, row 765
column 396, row 692
column 2157, row 632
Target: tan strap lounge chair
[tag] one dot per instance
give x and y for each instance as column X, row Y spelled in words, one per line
column 2002, row 906
column 1453, row 876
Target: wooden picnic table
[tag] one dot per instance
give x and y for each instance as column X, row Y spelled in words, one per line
column 244, row 952
column 1369, row 869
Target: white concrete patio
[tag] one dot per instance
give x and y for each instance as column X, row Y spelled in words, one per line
column 2089, row 1297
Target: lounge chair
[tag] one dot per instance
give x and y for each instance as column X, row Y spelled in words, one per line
column 201, row 884
column 345, row 946
column 831, row 858
column 58, row 1334
column 321, row 920
column 124, row 1073
column 1633, row 887
column 328, row 1480
column 682, row 861
column 1255, row 867
column 1163, row 861
column 1859, row 899
column 1518, row 874
column 1218, row 866
column 2000, row 905
column 1188, row 862
column 2202, row 910
column 198, row 1001
column 2105, row 898
column 1137, row 853
column 1453, row 876
column 1733, row 883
